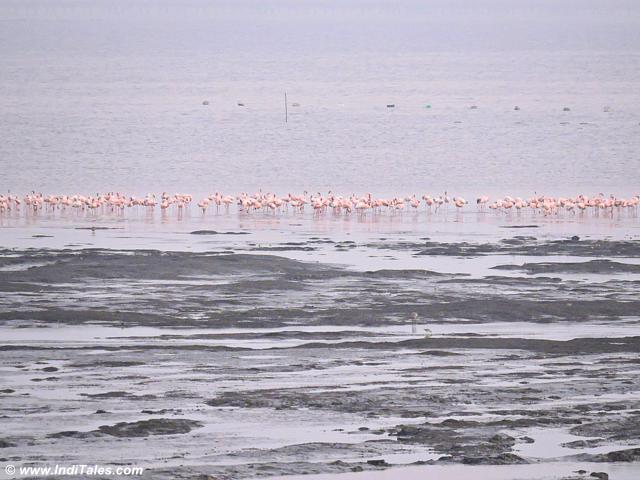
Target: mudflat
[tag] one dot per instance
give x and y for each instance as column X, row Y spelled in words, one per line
column 237, row 365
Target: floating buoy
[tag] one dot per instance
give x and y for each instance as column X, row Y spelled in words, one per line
column 205, row 102
column 566, row 109
column 391, row 105
column 427, row 106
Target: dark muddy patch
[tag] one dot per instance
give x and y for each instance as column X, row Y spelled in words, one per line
column 74, row 434
column 403, row 274
column 214, row 232
column 107, row 364
column 500, row 459
column 611, row 429
column 629, row 455
column 156, row 426
column 467, row 442
column 592, row 267
column 46, row 379
column 520, row 226
column 151, row 264
column 439, row 353
column 590, row 443
column 264, row 469
column 141, row 428
column 283, row 248
column 589, row 248
column 282, row 335
column 99, row 228
column 559, row 347
column 118, row 394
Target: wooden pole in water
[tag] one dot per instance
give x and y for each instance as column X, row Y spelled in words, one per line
column 286, row 110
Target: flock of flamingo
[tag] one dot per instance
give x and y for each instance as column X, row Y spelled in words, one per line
column 319, row 203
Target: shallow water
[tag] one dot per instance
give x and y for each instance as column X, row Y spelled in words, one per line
column 220, row 336
column 107, row 95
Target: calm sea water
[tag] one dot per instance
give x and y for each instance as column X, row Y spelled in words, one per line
column 107, row 95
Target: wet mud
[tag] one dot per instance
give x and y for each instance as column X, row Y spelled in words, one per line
column 214, row 232
column 592, row 266
column 239, row 365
